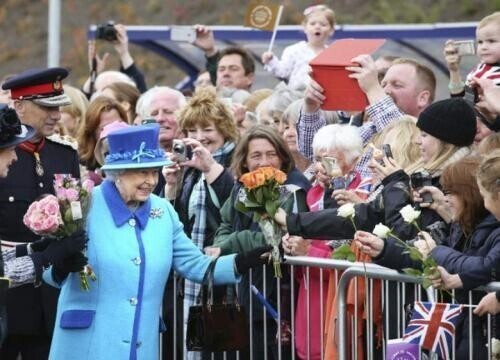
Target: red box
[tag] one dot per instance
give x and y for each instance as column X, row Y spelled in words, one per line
column 328, row 70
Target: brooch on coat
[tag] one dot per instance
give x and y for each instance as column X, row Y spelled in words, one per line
column 156, row 213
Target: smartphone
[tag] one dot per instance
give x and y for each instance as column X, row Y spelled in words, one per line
column 338, row 183
column 387, row 151
column 182, row 33
column 471, row 95
column 465, row 47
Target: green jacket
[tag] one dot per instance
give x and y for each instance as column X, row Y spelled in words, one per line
column 238, row 233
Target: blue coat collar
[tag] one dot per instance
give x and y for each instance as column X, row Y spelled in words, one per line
column 119, row 210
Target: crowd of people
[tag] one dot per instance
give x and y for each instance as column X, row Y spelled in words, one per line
column 167, row 165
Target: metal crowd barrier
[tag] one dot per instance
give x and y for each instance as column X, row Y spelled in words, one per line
column 351, row 271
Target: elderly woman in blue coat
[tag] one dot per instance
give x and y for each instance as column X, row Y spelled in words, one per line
column 135, row 238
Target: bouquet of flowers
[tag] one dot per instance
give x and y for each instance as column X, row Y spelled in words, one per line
column 428, row 264
column 63, row 214
column 261, row 194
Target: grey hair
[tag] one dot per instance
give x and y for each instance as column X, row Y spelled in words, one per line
column 164, row 89
column 344, row 138
column 112, row 175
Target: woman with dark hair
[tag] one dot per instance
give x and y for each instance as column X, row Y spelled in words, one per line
column 260, row 146
column 101, row 112
column 471, row 252
column 126, row 95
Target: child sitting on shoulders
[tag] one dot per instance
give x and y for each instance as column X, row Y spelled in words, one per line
column 319, row 26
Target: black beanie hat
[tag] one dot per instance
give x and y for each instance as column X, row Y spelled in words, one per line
column 451, row 120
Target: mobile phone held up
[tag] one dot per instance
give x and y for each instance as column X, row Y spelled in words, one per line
column 465, row 47
column 182, row 34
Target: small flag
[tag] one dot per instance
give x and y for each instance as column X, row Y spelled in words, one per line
column 397, row 349
column 432, row 325
column 261, row 15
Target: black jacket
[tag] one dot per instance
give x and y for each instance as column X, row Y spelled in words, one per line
column 31, row 311
column 326, row 224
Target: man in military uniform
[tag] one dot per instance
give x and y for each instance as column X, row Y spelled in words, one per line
column 37, row 96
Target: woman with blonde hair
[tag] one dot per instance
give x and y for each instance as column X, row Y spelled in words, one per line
column 73, row 116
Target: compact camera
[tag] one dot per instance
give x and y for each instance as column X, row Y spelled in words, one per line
column 419, row 180
column 471, row 95
column 181, row 150
column 106, row 32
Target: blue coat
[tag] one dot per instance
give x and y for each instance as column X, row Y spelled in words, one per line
column 131, row 254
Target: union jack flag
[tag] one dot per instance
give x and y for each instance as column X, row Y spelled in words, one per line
column 433, row 327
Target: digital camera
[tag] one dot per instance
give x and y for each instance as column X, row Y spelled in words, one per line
column 181, row 150
column 106, row 32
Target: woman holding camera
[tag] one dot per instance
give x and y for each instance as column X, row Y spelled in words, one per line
column 205, row 183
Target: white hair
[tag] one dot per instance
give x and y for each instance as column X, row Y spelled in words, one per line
column 143, row 104
column 164, row 90
column 343, row 138
column 111, row 76
column 112, row 175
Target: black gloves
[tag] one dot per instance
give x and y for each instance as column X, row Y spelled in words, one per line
column 36, row 246
column 57, row 250
column 73, row 263
column 251, row 259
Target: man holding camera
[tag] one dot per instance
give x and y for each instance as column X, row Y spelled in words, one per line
column 37, row 95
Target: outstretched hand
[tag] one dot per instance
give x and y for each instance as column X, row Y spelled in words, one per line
column 252, row 258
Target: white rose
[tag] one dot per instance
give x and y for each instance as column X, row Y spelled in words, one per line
column 495, row 346
column 346, row 210
column 381, row 231
column 409, row 214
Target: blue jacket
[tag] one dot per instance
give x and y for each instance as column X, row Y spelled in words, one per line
column 131, row 254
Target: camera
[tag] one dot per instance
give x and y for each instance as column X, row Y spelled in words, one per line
column 338, row 183
column 419, row 180
column 181, row 151
column 386, row 148
column 106, row 32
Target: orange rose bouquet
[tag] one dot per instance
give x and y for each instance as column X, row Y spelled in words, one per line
column 261, row 194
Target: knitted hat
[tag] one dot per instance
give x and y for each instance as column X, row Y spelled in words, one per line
column 451, row 120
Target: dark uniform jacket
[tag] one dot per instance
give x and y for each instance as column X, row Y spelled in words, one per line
column 31, row 310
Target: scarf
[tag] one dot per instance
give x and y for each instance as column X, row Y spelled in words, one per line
column 197, row 209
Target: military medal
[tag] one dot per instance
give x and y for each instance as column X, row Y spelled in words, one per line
column 38, row 164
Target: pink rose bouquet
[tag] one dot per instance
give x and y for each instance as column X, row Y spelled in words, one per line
column 63, row 214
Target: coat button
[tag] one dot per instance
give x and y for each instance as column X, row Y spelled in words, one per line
column 11, row 198
column 131, row 222
column 133, row 301
column 137, row 260
column 41, row 185
column 139, row 343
